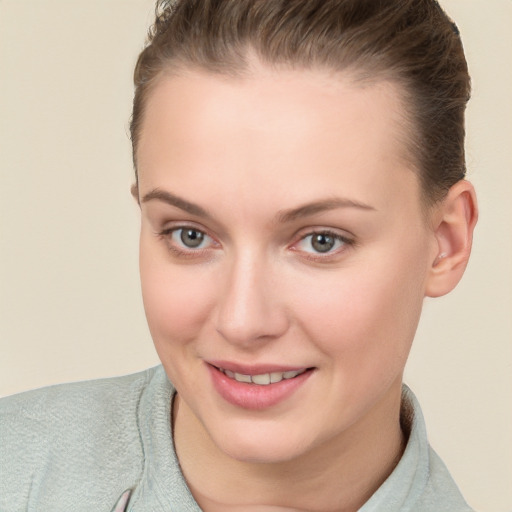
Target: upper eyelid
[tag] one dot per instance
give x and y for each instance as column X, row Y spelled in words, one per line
column 182, row 225
column 161, row 217
column 313, row 230
column 170, row 225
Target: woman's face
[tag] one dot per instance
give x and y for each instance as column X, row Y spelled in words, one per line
column 282, row 240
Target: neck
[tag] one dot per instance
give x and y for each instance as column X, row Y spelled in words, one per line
column 339, row 475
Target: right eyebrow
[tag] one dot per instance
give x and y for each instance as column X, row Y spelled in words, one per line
column 178, row 202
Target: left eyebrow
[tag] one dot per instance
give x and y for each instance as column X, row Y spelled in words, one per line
column 305, row 210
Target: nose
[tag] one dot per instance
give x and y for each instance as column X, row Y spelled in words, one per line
column 251, row 304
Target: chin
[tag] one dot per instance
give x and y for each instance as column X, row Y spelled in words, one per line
column 262, row 454
column 260, row 445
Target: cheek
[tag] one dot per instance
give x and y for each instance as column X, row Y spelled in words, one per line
column 177, row 300
column 364, row 318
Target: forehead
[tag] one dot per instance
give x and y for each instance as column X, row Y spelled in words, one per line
column 295, row 131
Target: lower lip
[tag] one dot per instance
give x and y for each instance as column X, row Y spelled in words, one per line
column 254, row 396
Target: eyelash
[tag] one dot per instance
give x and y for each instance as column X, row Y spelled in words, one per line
column 167, row 234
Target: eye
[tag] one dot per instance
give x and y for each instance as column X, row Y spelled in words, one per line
column 187, row 240
column 322, row 242
column 190, row 238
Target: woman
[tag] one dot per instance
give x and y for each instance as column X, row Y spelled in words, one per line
column 300, row 174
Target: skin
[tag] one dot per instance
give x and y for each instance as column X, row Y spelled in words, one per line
column 247, row 152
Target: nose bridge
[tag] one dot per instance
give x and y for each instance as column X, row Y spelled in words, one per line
column 249, row 307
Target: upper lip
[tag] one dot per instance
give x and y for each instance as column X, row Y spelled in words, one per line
column 255, row 369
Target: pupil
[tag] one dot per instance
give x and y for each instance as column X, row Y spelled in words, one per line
column 322, row 242
column 191, row 237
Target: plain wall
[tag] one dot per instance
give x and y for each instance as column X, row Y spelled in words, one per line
column 70, row 306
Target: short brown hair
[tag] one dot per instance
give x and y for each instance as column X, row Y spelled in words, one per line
column 411, row 42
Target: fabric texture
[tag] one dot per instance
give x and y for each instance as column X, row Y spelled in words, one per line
column 80, row 447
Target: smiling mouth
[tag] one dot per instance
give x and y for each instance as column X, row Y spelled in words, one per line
column 263, row 379
column 259, row 386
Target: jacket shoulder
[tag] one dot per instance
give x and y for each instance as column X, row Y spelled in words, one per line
column 66, row 435
column 441, row 492
column 69, row 403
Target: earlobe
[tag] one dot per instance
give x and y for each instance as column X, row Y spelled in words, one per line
column 455, row 221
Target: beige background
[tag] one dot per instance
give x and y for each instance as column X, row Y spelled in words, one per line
column 70, row 306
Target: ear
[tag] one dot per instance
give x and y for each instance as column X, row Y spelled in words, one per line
column 135, row 192
column 454, row 222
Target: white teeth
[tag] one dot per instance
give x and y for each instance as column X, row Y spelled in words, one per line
column 240, row 377
column 276, row 377
column 263, row 379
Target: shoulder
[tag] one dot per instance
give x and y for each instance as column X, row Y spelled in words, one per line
column 441, row 489
column 58, row 390
column 72, row 436
column 70, row 403
column 438, row 489
column 420, row 482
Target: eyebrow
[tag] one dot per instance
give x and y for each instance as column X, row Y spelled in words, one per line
column 319, row 207
column 178, row 202
column 283, row 217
